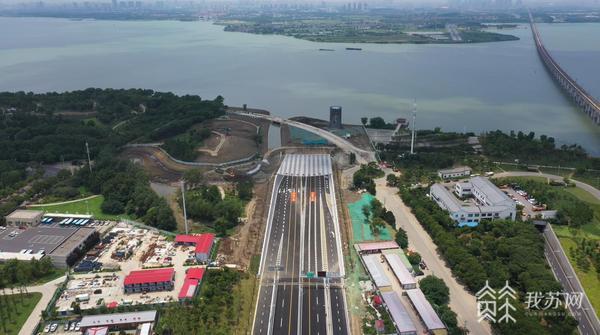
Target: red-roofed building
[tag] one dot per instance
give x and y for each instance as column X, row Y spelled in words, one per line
column 191, row 284
column 186, row 239
column 195, row 273
column 149, row 280
column 204, row 244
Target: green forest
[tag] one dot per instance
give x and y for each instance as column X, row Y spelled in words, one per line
column 52, row 127
column 213, row 312
column 497, row 251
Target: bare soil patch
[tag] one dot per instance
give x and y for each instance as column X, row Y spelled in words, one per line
column 247, row 240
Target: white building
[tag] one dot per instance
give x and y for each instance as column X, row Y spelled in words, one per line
column 483, row 201
column 457, row 172
column 22, row 217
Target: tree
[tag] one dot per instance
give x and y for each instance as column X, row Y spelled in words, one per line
column 377, row 224
column 391, row 180
column 244, row 189
column 364, row 120
column 366, row 211
column 112, row 206
column 377, row 123
column 414, row 258
column 193, row 178
column 435, row 290
column 401, row 238
column 389, row 217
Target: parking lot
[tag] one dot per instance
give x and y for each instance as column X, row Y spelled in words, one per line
column 62, row 327
column 531, row 207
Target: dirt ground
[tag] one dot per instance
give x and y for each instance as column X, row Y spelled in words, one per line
column 239, row 141
column 156, row 164
column 247, row 240
column 212, row 143
column 343, row 180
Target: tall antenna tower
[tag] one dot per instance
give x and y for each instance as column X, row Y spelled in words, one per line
column 184, row 209
column 87, row 149
column 414, row 124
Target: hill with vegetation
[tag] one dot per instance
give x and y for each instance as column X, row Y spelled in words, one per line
column 45, row 128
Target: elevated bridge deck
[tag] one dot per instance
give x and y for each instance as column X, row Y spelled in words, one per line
column 578, row 94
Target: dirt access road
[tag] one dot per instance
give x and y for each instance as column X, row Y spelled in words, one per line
column 461, row 301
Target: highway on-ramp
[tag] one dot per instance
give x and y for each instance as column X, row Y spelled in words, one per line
column 301, row 270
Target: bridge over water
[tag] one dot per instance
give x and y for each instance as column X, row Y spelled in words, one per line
column 577, row 93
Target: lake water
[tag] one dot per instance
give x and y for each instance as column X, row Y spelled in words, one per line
column 458, row 87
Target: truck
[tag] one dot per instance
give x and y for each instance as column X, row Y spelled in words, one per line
column 82, row 297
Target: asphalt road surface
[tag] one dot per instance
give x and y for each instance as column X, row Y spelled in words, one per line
column 301, row 272
column 584, row 313
column 561, row 267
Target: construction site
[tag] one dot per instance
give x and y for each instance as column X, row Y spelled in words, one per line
column 124, row 269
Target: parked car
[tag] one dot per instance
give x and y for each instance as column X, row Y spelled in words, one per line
column 67, row 324
column 77, row 326
column 72, row 326
column 53, row 327
column 47, row 329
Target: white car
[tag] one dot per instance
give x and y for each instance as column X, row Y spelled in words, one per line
column 47, row 329
column 77, row 326
column 72, row 327
column 66, row 326
column 53, row 327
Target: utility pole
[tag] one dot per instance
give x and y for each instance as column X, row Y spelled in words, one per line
column 184, row 210
column 414, row 121
column 87, row 149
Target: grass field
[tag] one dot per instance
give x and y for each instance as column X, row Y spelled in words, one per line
column 90, row 206
column 589, row 280
column 20, row 311
column 583, row 195
column 245, row 295
column 567, row 237
column 49, row 277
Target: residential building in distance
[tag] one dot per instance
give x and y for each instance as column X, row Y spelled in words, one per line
column 474, row 200
column 457, row 172
column 22, row 217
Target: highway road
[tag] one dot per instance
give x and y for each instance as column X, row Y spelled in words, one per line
column 301, row 271
column 584, row 314
column 561, row 267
